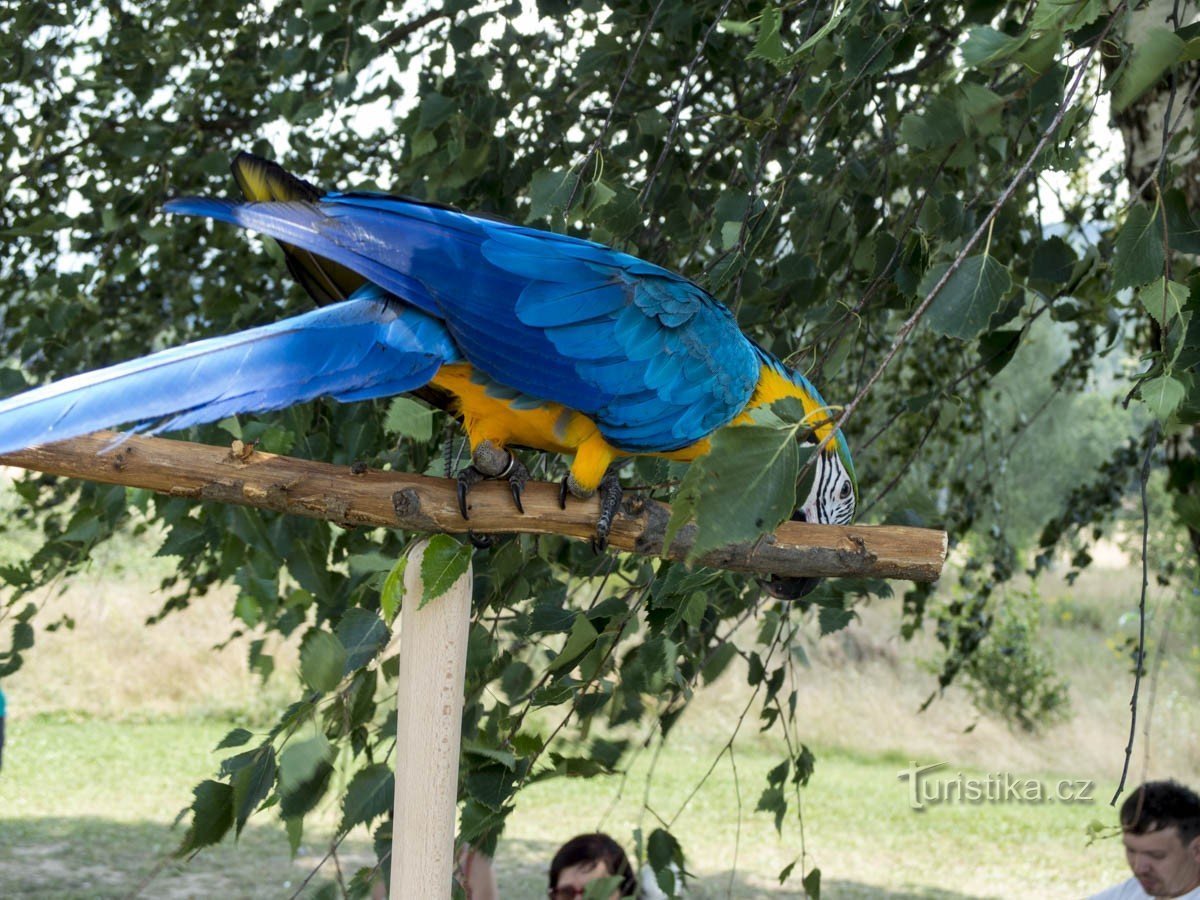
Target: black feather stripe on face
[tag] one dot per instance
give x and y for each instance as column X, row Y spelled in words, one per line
column 825, row 476
column 831, row 507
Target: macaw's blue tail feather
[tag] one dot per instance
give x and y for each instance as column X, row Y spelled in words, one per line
column 315, row 229
column 354, row 350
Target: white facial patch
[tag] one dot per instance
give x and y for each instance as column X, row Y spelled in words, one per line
column 831, row 499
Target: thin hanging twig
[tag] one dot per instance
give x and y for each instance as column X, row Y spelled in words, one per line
column 1141, row 647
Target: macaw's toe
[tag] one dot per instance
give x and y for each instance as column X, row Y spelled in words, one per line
column 610, row 502
column 610, row 493
column 517, row 475
column 467, row 478
column 486, row 463
column 782, row 587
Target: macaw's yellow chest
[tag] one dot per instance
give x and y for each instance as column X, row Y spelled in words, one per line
column 503, row 416
column 493, row 412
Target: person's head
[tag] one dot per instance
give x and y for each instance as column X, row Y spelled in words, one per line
column 588, row 858
column 1161, row 825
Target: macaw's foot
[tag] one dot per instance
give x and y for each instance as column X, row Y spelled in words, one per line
column 610, row 500
column 490, row 461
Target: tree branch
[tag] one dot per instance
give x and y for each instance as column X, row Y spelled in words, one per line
column 374, row 498
column 406, row 29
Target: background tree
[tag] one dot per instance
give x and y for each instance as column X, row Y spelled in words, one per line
column 903, row 197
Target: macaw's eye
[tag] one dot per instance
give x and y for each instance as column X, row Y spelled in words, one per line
column 809, row 437
column 844, row 494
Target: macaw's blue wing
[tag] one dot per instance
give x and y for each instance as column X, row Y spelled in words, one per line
column 653, row 359
column 361, row 348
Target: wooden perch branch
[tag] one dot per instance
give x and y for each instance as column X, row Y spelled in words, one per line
column 350, row 497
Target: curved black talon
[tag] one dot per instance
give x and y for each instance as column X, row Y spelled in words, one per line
column 517, row 475
column 467, row 478
column 562, row 492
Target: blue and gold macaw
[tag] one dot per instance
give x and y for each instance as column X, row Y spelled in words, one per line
column 532, row 339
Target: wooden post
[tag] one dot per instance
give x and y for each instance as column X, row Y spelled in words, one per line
column 429, row 703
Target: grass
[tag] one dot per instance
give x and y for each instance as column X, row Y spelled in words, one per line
column 111, row 725
column 88, row 807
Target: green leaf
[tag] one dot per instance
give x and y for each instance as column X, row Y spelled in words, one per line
column 1072, row 13
column 363, row 634
column 300, row 761
column 295, row 833
column 491, row 785
column 968, row 300
column 1138, row 255
column 601, row 888
column 435, row 109
column 730, row 232
column 985, row 46
column 392, row 593
column 745, row 486
column 718, row 661
column 247, row 609
column 997, row 348
column 235, row 738
column 599, row 195
column 786, row 872
column 769, row 45
column 422, row 144
column 212, row 816
column 368, row 796
column 444, row 562
column 301, row 799
column 582, row 635
column 549, row 615
column 742, row 29
column 504, row 757
column 664, row 854
column 812, row 884
column 1163, row 395
column 1164, row 300
column 1182, row 228
column 980, row 109
column 322, row 660
column 549, row 191
column 833, row 619
column 1155, row 52
column 252, row 783
column 938, row 126
column 1187, row 508
column 409, row 418
column 820, row 33
column 773, row 800
column 1053, row 261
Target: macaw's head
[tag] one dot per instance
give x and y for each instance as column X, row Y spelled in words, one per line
column 828, row 485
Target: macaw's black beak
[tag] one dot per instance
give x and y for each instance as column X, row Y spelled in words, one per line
column 782, row 587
